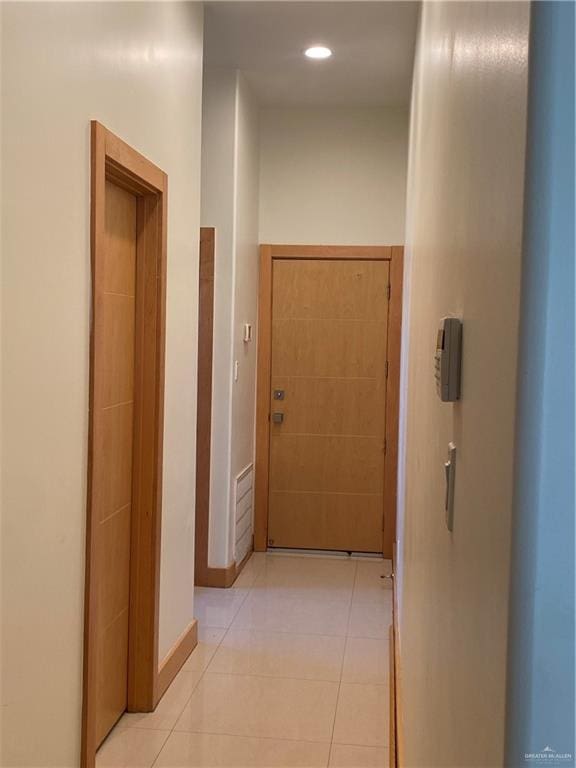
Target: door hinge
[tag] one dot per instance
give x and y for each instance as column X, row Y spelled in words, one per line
column 386, row 369
column 385, row 446
column 389, row 291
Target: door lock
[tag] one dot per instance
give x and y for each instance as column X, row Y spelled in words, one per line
column 277, row 417
column 278, row 394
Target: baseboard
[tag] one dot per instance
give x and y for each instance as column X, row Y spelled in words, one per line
column 216, row 577
column 392, row 735
column 245, row 559
column 221, row 577
column 176, row 657
column 396, row 681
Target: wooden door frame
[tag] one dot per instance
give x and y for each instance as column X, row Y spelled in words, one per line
column 206, row 575
column 113, row 160
column 394, row 254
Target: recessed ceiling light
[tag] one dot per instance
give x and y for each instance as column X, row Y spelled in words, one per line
column 318, row 52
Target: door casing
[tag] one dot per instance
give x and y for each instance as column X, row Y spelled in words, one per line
column 115, row 161
column 268, row 254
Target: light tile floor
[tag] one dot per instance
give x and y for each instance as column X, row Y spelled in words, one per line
column 291, row 671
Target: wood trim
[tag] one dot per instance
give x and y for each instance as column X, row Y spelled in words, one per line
column 176, row 657
column 112, row 159
column 392, row 715
column 247, row 556
column 393, row 397
column 218, row 577
column 396, row 711
column 268, row 253
column 263, row 373
column 364, row 252
column 203, row 575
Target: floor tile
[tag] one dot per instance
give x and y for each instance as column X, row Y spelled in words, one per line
column 366, row 660
column 262, row 707
column 370, row 619
column 277, row 654
column 369, row 585
column 308, row 578
column 268, row 612
column 203, row 750
column 342, row 756
column 250, row 571
column 170, row 707
column 217, row 607
column 209, row 639
column 130, row 748
column 362, row 715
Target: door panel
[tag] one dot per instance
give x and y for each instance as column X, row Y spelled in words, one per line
column 321, row 348
column 112, row 460
column 329, row 342
column 330, row 463
column 324, row 289
column 325, row 520
column 330, row 406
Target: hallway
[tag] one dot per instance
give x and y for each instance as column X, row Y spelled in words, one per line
column 291, row 669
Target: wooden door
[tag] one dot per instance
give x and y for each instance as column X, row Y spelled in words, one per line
column 329, row 346
column 113, row 439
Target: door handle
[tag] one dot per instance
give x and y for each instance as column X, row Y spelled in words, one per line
column 277, row 417
column 450, row 476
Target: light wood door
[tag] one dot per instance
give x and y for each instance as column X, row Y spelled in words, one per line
column 329, row 343
column 113, row 439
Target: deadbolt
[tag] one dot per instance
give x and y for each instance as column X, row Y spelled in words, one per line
column 277, row 417
column 278, row 394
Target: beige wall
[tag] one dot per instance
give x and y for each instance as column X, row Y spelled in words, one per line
column 230, row 179
column 136, row 67
column 218, row 204
column 333, row 175
column 465, row 194
column 245, row 285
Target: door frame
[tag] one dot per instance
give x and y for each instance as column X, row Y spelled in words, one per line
column 394, row 254
column 113, row 160
column 204, row 574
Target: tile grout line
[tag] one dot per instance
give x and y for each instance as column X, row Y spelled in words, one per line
column 194, row 689
column 342, row 664
column 250, row 591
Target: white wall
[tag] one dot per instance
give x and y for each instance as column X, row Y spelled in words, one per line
column 230, row 203
column 333, row 175
column 218, row 205
column 463, row 257
column 136, row 67
column 245, row 284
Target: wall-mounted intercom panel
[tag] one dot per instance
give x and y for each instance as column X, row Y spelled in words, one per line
column 448, row 359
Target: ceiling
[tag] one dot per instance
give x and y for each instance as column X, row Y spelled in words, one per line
column 373, row 45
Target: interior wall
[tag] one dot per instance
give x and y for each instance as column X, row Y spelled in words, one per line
column 230, row 163
column 245, row 286
column 541, row 708
column 136, row 67
column 463, row 258
column 217, row 210
column 333, row 175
